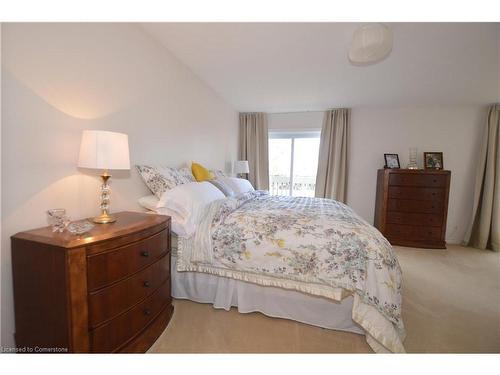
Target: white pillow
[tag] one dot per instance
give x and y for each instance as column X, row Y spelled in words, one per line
column 238, row 185
column 149, row 202
column 186, row 202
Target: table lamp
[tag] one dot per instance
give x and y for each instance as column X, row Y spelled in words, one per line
column 104, row 151
column 240, row 167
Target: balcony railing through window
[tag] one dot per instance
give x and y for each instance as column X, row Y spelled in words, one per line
column 301, row 186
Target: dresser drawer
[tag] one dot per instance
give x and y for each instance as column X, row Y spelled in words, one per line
column 428, row 180
column 418, row 193
column 432, row 220
column 407, row 205
column 108, row 302
column 120, row 330
column 106, row 268
column 410, row 232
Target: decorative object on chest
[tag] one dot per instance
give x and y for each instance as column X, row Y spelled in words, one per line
column 391, row 161
column 412, row 159
column 106, row 291
column 433, row 160
column 412, row 205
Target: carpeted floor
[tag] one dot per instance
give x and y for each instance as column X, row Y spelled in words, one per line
column 451, row 304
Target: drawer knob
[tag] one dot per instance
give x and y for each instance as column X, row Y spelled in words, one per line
column 147, row 312
column 146, row 284
column 145, row 254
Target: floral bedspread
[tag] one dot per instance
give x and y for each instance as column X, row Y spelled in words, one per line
column 317, row 246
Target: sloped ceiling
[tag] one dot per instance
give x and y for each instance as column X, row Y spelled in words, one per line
column 276, row 67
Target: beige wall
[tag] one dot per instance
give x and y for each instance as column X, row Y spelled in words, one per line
column 59, row 79
column 295, row 121
column 453, row 130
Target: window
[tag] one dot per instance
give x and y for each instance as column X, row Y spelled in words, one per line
column 293, row 162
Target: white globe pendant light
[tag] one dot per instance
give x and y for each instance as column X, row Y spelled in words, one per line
column 370, row 44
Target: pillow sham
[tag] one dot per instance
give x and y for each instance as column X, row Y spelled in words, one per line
column 187, row 201
column 160, row 179
column 186, row 173
column 223, row 187
column 201, row 173
column 238, row 185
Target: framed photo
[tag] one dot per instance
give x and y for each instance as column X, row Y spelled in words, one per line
column 391, row 161
column 433, row 160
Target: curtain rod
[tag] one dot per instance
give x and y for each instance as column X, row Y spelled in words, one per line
column 290, row 112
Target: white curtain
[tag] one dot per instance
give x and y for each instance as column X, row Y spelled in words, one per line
column 331, row 179
column 484, row 230
column 254, row 148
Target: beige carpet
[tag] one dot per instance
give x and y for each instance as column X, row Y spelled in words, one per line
column 451, row 304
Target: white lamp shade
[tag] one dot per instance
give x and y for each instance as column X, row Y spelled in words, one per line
column 241, row 166
column 104, row 150
column 370, row 44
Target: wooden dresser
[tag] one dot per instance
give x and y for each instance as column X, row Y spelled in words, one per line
column 108, row 291
column 411, row 206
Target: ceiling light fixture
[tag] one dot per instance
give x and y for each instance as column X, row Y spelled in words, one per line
column 370, row 44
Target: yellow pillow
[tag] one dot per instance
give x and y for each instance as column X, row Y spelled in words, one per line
column 201, row 173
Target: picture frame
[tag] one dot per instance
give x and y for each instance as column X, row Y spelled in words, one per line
column 391, row 161
column 433, row 160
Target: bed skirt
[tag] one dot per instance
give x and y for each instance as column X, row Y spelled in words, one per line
column 224, row 293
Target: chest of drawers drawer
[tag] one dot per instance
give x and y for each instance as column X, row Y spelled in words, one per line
column 410, row 232
column 409, row 205
column 409, row 218
column 428, row 180
column 117, row 298
column 120, row 330
column 114, row 265
column 416, row 193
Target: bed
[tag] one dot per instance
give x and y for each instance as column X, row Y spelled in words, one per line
column 307, row 259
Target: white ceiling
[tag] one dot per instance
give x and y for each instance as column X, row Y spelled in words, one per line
column 277, row 67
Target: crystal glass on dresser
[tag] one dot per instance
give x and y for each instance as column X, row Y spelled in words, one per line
column 57, row 219
column 80, row 227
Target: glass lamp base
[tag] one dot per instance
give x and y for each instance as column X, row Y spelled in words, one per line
column 104, row 217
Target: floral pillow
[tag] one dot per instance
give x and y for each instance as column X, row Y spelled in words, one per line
column 187, row 174
column 161, row 179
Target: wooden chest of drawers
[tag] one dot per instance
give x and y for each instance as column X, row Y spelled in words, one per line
column 108, row 291
column 411, row 206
